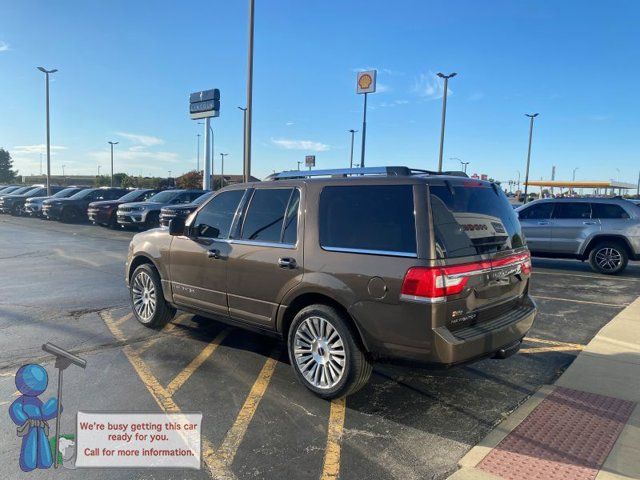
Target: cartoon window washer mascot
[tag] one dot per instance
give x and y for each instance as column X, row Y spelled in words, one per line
column 31, row 415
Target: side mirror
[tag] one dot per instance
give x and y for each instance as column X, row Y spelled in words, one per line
column 176, row 227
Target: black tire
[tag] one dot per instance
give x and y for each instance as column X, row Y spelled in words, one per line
column 152, row 221
column 15, row 211
column 162, row 311
column 68, row 215
column 356, row 369
column 113, row 221
column 609, row 257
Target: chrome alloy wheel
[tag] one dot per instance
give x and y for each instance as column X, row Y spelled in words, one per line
column 608, row 258
column 144, row 296
column 319, row 352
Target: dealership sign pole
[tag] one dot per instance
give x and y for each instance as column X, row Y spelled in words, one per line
column 205, row 104
column 366, row 85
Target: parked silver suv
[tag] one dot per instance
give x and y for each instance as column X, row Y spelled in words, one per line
column 605, row 231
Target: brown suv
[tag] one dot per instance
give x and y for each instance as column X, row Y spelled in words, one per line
column 349, row 266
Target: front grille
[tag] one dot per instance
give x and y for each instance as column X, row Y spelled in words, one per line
column 486, row 327
column 125, row 209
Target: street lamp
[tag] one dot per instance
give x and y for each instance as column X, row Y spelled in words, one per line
column 444, row 114
column 249, row 111
column 112, row 144
column 244, row 132
column 462, row 164
column 526, row 175
column 518, row 179
column 222, row 155
column 353, row 132
column 198, row 154
column 573, row 178
column 47, row 72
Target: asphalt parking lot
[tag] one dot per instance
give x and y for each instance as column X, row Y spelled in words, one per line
column 64, row 284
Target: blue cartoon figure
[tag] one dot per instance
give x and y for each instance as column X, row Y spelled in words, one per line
column 31, row 416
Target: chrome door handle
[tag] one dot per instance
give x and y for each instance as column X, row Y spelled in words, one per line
column 287, row 262
column 589, row 223
column 213, row 253
column 544, row 223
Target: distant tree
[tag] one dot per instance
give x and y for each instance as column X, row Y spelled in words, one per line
column 6, row 165
column 192, row 179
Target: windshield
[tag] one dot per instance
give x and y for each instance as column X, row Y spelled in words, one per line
column 82, row 193
column 132, row 196
column 164, row 197
column 32, row 191
column 202, row 198
column 472, row 218
column 20, row 190
column 67, row 192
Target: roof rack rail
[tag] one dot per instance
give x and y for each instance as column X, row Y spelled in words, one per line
column 345, row 172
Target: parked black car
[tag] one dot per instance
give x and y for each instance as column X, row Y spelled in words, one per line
column 74, row 208
column 147, row 214
column 14, row 203
column 33, row 205
column 182, row 211
column 8, row 189
column 104, row 212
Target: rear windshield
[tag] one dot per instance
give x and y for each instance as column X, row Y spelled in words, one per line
column 473, row 218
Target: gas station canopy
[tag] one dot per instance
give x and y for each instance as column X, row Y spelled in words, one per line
column 581, row 184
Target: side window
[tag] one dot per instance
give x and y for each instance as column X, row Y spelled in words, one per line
column 265, row 215
column 214, row 220
column 541, row 211
column 370, row 218
column 113, row 194
column 289, row 235
column 191, row 196
column 97, row 195
column 147, row 195
column 572, row 210
column 608, row 211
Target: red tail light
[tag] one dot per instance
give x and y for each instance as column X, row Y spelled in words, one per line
column 434, row 284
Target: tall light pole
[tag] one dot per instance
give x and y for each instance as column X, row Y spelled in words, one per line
column 638, row 189
column 462, row 164
column 573, row 178
column 518, row 179
column 444, row 114
column 526, row 175
column 47, row 72
column 222, row 155
column 244, row 132
column 99, row 169
column 112, row 144
column 298, row 162
column 40, row 163
column 249, row 111
column 353, row 132
column 198, row 154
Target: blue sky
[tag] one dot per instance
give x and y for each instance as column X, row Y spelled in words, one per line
column 126, row 69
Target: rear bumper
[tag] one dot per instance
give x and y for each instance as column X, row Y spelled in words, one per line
column 499, row 338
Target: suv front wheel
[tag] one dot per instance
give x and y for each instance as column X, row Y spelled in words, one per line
column 324, row 353
column 608, row 258
column 147, row 299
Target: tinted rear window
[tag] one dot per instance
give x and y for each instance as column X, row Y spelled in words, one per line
column 607, row 210
column 472, row 219
column 374, row 218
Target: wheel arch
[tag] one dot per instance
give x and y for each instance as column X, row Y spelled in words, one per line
column 595, row 240
column 288, row 313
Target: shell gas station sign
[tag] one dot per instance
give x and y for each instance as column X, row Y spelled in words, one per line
column 366, row 81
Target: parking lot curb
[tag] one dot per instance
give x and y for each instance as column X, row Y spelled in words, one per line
column 609, row 365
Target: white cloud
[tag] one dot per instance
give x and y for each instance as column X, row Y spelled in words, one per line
column 475, row 97
column 429, row 86
column 384, row 71
column 288, row 124
column 382, row 87
column 598, row 117
column 34, row 149
column 144, row 140
column 395, row 103
column 307, row 145
column 135, row 158
column 4, row 46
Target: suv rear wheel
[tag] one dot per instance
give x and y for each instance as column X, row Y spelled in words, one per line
column 147, row 300
column 324, row 353
column 608, row 257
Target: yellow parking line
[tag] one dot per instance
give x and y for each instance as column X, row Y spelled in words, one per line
column 229, row 447
column 3, row 403
column 184, row 375
column 579, row 301
column 121, row 320
column 331, row 464
column 8, row 374
column 551, row 346
column 217, row 468
column 152, row 341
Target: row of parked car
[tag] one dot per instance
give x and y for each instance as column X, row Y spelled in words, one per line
column 107, row 206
